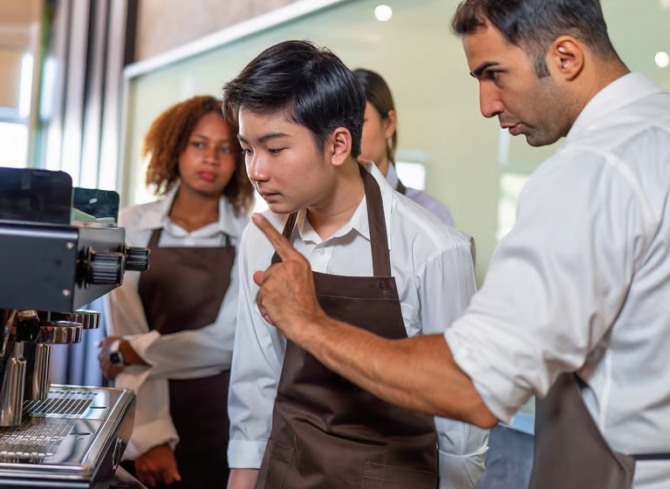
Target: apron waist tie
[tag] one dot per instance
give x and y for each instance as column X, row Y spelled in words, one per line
column 651, row 456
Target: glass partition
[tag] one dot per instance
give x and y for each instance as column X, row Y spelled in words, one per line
column 469, row 163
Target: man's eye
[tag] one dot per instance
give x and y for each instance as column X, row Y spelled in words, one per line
column 275, row 151
column 247, row 152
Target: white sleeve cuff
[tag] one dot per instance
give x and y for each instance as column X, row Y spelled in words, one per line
column 140, row 342
column 149, row 435
column 243, row 454
column 461, row 471
column 483, row 376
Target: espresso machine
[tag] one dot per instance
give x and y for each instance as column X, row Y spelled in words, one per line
column 54, row 259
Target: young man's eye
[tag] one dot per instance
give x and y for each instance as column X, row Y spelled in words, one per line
column 247, row 152
column 275, row 151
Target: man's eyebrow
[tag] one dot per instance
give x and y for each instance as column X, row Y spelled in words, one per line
column 264, row 138
column 477, row 72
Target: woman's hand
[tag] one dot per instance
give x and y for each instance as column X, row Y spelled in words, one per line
column 157, row 465
column 128, row 353
column 109, row 370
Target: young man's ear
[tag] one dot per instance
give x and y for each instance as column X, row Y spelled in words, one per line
column 339, row 146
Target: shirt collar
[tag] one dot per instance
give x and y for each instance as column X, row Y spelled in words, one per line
column 392, row 175
column 157, row 215
column 359, row 220
column 621, row 92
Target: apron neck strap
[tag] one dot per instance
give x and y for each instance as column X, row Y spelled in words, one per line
column 381, row 261
column 155, row 237
column 400, row 187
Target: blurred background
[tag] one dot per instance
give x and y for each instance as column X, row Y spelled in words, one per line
column 82, row 80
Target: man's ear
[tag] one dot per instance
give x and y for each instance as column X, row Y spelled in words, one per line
column 565, row 57
column 339, row 145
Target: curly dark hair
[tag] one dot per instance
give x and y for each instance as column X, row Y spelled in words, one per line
column 167, row 138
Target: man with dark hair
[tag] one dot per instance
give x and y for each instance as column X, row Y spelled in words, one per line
column 380, row 262
column 574, row 307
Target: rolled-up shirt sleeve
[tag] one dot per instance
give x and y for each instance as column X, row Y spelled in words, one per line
column 257, row 362
column 556, row 283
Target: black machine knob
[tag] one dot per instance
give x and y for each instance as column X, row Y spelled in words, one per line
column 137, row 259
column 106, row 268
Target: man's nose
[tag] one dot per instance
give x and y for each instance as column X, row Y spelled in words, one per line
column 489, row 101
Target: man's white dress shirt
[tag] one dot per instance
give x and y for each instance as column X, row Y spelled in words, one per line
column 582, row 282
column 183, row 355
column 433, row 269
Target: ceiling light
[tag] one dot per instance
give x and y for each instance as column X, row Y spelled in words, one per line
column 383, row 13
column 662, row 59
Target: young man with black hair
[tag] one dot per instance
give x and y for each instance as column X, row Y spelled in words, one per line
column 574, row 307
column 380, row 262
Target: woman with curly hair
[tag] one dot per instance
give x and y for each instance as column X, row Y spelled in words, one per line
column 171, row 328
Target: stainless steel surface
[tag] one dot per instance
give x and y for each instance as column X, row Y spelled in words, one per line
column 11, row 395
column 86, row 318
column 20, row 328
column 38, row 386
column 65, row 437
column 59, row 333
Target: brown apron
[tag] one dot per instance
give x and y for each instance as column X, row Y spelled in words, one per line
column 328, row 433
column 570, row 451
column 400, row 187
column 183, row 290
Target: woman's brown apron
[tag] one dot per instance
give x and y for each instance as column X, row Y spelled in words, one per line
column 327, row 433
column 183, row 290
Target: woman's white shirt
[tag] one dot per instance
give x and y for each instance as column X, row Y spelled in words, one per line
column 183, row 355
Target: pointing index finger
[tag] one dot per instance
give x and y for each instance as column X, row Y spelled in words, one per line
column 281, row 245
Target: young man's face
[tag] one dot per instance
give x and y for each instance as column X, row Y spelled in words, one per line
column 284, row 163
column 510, row 89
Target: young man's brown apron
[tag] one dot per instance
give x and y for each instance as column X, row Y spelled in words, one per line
column 183, row 290
column 327, row 433
column 570, row 451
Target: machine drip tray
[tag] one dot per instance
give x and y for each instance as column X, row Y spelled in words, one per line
column 61, row 403
column 74, row 438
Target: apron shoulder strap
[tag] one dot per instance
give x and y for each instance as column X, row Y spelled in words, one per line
column 381, row 261
column 286, row 232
